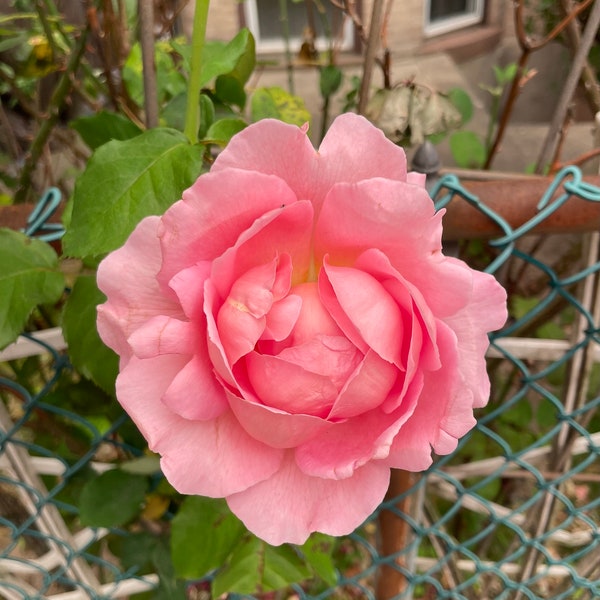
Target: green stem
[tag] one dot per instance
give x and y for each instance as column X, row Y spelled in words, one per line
column 192, row 112
column 285, row 28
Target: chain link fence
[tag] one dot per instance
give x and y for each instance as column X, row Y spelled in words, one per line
column 513, row 513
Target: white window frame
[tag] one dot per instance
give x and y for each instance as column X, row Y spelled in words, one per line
column 472, row 17
column 278, row 45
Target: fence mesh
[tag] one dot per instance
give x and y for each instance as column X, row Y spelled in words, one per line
column 513, row 513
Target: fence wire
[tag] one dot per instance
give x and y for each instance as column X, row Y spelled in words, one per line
column 514, row 513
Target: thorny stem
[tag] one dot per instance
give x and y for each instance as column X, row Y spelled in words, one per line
column 41, row 11
column 64, row 86
column 146, row 15
column 370, row 54
column 192, row 113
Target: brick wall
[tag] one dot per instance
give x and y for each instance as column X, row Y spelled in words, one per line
column 405, row 27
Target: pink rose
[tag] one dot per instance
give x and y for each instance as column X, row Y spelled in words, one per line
column 290, row 330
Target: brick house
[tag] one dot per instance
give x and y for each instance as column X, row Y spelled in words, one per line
column 460, row 27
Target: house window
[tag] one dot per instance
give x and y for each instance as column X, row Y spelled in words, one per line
column 442, row 16
column 263, row 18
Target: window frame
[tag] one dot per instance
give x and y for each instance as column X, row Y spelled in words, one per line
column 250, row 17
column 452, row 23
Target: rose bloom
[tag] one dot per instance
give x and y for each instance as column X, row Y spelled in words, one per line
column 290, row 330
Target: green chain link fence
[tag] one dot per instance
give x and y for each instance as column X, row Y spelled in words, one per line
column 513, row 513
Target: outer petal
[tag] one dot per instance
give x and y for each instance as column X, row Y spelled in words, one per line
column 128, row 277
column 212, row 215
column 290, row 505
column 287, row 153
column 486, row 312
column 398, row 219
column 216, row 458
column 211, row 458
column 140, row 387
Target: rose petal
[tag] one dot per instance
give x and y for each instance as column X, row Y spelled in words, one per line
column 216, row 351
column 339, row 451
column 272, row 426
column 398, row 219
column 289, row 387
column 241, row 319
column 416, row 178
column 486, row 312
column 213, row 458
column 164, row 335
column 188, row 286
column 282, row 318
column 293, row 505
column 213, row 213
column 443, row 412
column 419, row 348
column 195, row 393
column 368, row 306
column 216, row 458
column 140, row 387
column 311, row 174
column 367, row 388
column 128, row 277
column 286, row 230
column 314, row 319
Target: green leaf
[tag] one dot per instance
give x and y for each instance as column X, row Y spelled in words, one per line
column 169, row 80
column 87, row 352
column 317, row 551
column 103, row 127
column 29, row 275
column 135, row 550
column 467, row 150
column 204, row 534
column 170, row 587
column 124, row 182
column 462, row 102
column 247, row 60
column 207, row 115
column 505, row 75
column 276, row 103
column 236, row 57
column 230, row 90
column 173, row 113
column 112, row 499
column 221, row 131
column 255, row 566
column 330, row 80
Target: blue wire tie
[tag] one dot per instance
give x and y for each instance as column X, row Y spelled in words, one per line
column 37, row 222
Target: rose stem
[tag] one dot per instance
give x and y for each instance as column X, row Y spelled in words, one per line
column 192, row 111
column 394, row 534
